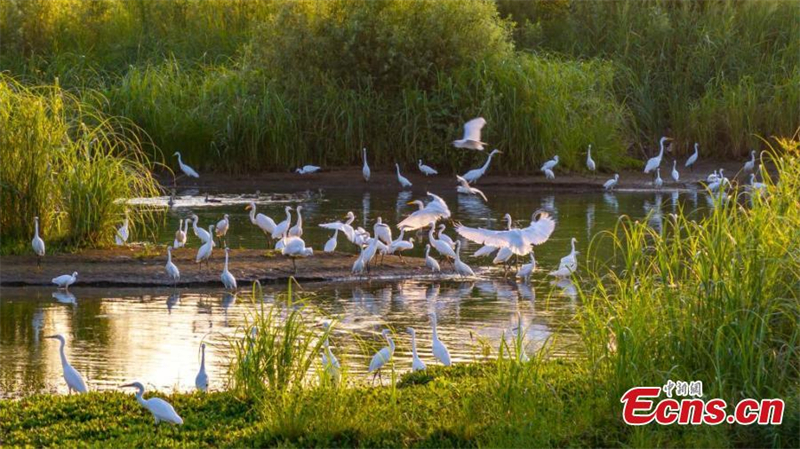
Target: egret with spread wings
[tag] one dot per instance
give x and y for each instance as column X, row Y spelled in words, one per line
column 519, row 241
column 432, row 212
column 472, row 135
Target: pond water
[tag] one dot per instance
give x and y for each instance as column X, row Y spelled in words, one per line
column 117, row 335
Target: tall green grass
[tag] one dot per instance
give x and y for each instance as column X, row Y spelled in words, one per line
column 68, row 164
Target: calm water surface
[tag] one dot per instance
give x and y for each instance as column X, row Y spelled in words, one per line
column 117, row 335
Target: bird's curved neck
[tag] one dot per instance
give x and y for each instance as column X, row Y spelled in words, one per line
column 140, row 397
column 350, row 220
column 203, row 359
column 36, row 227
column 414, row 345
column 169, row 256
column 391, row 343
column 226, row 267
column 433, row 326
column 508, row 222
column 573, row 246
column 299, row 217
column 661, row 148
column 63, row 355
column 488, row 161
column 253, row 214
column 288, row 215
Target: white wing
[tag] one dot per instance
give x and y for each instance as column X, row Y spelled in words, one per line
column 519, row 241
column 338, row 225
column 472, row 129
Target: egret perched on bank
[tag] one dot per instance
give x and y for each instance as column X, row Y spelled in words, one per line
column 365, row 170
column 416, row 363
column 204, row 252
column 345, row 227
column 568, row 264
column 444, row 237
column 297, row 229
column 73, row 378
column 159, row 408
column 330, row 245
column 172, row 269
column 465, row 188
column 675, row 175
column 295, row 247
column 589, row 161
column 404, row 182
column 399, row 245
column 751, row 164
column 434, row 211
column 461, row 268
column 655, row 162
column 549, row 165
column 526, row 270
column 430, row 262
column 201, row 233
column 549, row 174
column 381, row 357
column 265, row 223
column 382, row 231
column 472, row 135
column 519, row 241
column 180, row 234
column 283, row 227
column 441, row 246
column 426, row 169
column 693, row 158
column 37, row 243
column 611, row 183
column 757, row 186
column 65, row 280
column 201, row 381
column 472, row 176
column 658, row 181
column 227, row 278
column 122, row 232
column 307, row 169
column 188, row 171
column 222, row 227
column 439, row 349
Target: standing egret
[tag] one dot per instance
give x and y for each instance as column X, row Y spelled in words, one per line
column 441, row 246
column 461, row 268
column 201, row 381
column 439, row 349
column 188, row 171
column 655, row 162
column 472, row 135
column 297, row 229
column 466, row 189
column 381, row 357
column 382, row 231
column 330, row 245
column 161, row 409
column 693, row 158
column 122, row 232
column 426, row 169
column 658, row 181
column 307, row 169
column 713, row 177
column 171, row 268
column 757, row 186
column 444, row 237
column 549, row 174
column 266, row 224
column 430, row 262
column 329, row 361
column 751, row 164
column 73, row 378
column 227, row 278
column 550, row 164
column 37, row 243
column 526, row 270
column 282, row 227
column 519, row 240
column 201, row 233
column 432, row 212
column 568, row 264
column 589, row 161
column 611, row 183
column 416, row 363
column 675, row 175
column 472, row 176
column 365, row 170
column 295, row 247
column 180, row 234
column 345, row 227
column 404, row 182
column 204, row 252
column 65, row 280
column 399, row 245
column 222, row 228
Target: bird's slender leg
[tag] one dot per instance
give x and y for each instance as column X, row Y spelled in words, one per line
column 400, row 255
column 38, row 262
column 294, row 266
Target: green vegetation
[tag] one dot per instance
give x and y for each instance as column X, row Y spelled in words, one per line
column 68, row 164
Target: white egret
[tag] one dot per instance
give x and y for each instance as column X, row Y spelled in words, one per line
column 568, row 264
column 265, row 223
column 330, row 245
column 365, row 170
column 444, row 237
column 37, row 243
column 65, row 280
column 461, row 268
column 520, row 241
column 227, row 278
column 345, row 227
column 201, row 233
column 282, row 227
column 611, row 183
column 441, row 246
column 487, row 250
column 655, row 162
column 188, row 171
column 434, row 211
column 472, row 135
column 399, row 245
column 359, row 266
column 122, row 233
column 171, row 268
column 658, row 181
column 329, row 361
column 159, row 408
column 416, row 363
column 465, row 188
column 204, row 252
column 297, row 229
column 381, row 357
column 526, row 270
column 295, row 247
column 550, row 164
column 503, row 255
column 549, row 174
column 589, row 161
column 751, row 164
column 307, row 169
column 201, row 381
column 426, row 169
column 430, row 262
column 758, row 186
column 474, row 175
column 382, row 231
column 439, row 349
column 180, row 234
column 693, row 158
column 222, row 227
column 73, row 378
column 404, row 182
column 675, row 175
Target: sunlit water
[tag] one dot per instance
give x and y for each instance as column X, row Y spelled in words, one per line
column 153, row 335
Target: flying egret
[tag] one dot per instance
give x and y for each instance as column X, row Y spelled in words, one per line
column 329, row 361
column 751, row 164
column 159, row 408
column 297, row 229
column 382, row 231
column 550, row 164
column 73, row 378
column 472, row 135
column 307, row 169
column 201, row 381
column 180, row 234
column 222, row 228
column 282, row 227
column 404, row 182
column 465, row 188
column 188, row 171
column 519, row 240
column 655, row 162
column 200, row 232
column 416, row 363
column 37, row 243
column 65, row 280
column 439, row 349
column 266, row 224
column 589, row 161
column 227, row 278
column 675, row 175
column 611, row 183
column 430, row 262
column 441, row 246
column 526, row 270
column 330, row 245
column 365, row 170
column 549, row 174
column 487, row 250
column 171, row 268
column 434, row 211
column 461, row 268
column 204, row 252
column 381, row 357
column 474, row 175
column 426, row 169
column 568, row 264
column 122, row 232
column 693, row 158
column 658, row 182
column 295, row 247
column 345, row 227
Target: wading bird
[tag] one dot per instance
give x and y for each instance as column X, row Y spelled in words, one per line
column 172, row 269
column 330, row 245
column 295, row 247
column 527, row 269
column 426, row 169
column 227, row 278
column 751, row 164
column 549, row 165
column 675, row 175
column 399, row 245
column 693, row 158
column 589, row 161
column 416, row 363
column 201, row 233
column 65, row 280
column 73, row 378
column 404, row 182
column 461, row 268
column 297, row 229
column 441, row 246
column 467, row 190
column 307, row 169
column 487, row 250
column 188, row 171
column 345, row 227
column 381, row 357
column 204, row 252
column 122, row 232
column 283, row 227
column 365, row 170
column 432, row 212
column 549, row 174
column 757, row 186
column 519, row 241
column 655, row 162
column 159, row 408
column 472, row 135
column 265, row 223
column 222, row 227
column 444, row 237
column 430, row 262
column 658, row 181
column 382, row 231
column 180, row 234
column 439, row 349
column 37, row 243
column 568, row 264
column 329, row 361
column 474, row 175
column 611, row 183
column 201, row 381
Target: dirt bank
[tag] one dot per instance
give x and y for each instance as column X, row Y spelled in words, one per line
column 133, row 266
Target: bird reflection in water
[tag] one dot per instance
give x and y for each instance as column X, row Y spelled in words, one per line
column 65, row 297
